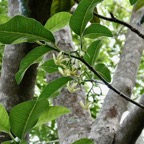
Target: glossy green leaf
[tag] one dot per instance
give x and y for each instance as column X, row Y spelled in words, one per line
column 61, row 5
column 139, row 5
column 132, row 2
column 54, row 86
column 4, row 120
column 84, row 141
column 103, row 71
column 82, row 15
column 24, row 116
column 57, row 21
column 49, row 66
column 30, row 59
column 52, row 113
column 22, row 29
column 92, row 52
column 97, row 30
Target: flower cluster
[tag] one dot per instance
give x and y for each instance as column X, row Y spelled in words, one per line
column 66, row 68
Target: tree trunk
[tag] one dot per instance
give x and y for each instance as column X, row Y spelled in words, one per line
column 11, row 93
column 76, row 125
column 107, row 123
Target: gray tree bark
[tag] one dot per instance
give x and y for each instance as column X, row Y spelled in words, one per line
column 132, row 126
column 11, row 93
column 76, row 125
column 107, row 123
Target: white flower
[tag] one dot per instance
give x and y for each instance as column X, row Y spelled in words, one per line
column 72, row 88
column 60, row 59
column 64, row 72
column 86, row 107
column 74, row 71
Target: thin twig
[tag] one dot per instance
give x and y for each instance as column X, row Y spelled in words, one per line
column 101, row 78
column 114, row 19
column 95, row 81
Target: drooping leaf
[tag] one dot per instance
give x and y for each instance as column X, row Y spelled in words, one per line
column 82, row 15
column 22, row 29
column 52, row 113
column 49, row 66
column 24, row 116
column 57, row 21
column 4, row 120
column 29, row 59
column 97, row 30
column 103, row 71
column 132, row 2
column 61, row 5
column 92, row 52
column 83, row 141
column 139, row 5
column 53, row 86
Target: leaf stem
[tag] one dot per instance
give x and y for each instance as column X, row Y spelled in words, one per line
column 11, row 136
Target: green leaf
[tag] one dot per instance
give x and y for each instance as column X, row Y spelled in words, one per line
column 3, row 18
column 57, row 21
column 7, row 142
column 97, row 30
column 53, row 86
column 50, row 66
column 24, row 116
column 52, row 113
column 84, row 141
column 82, row 15
column 103, row 71
column 4, row 120
column 92, row 52
column 29, row 59
column 23, row 142
column 132, row 2
column 139, row 5
column 22, row 29
column 61, row 5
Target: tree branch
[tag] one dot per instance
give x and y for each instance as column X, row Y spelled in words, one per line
column 131, row 127
column 100, row 77
column 114, row 19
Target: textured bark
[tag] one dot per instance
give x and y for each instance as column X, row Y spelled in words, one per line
column 107, row 122
column 77, row 124
column 11, row 93
column 132, row 126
